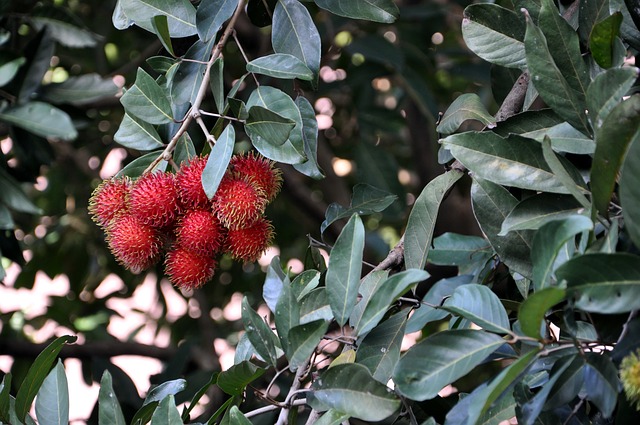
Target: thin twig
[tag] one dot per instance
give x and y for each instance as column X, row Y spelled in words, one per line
column 271, row 407
column 244, row 55
column 210, row 139
column 625, row 327
column 295, row 386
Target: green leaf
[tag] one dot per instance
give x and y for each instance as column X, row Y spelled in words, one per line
column 236, row 417
column 274, row 283
column 310, row 167
column 184, row 149
column 601, row 40
column 603, row 283
column 181, row 15
column 260, row 334
column 186, row 81
column 332, row 417
column 80, row 90
column 52, row 402
column 491, row 205
column 369, row 285
column 574, row 184
column 5, row 397
column 234, row 380
column 495, row 34
column 422, row 219
column 630, row 191
column 147, row 100
column 601, row 382
column 135, row 133
column 387, row 293
column 166, row 413
column 41, row 119
column 38, row 52
column 466, row 107
column 37, row 374
column 516, row 161
column 315, row 306
column 216, row 83
column 452, row 249
column 287, row 316
column 303, row 340
column 136, row 167
column 384, row 11
column 554, row 88
column 9, row 69
column 109, row 411
column 547, row 243
column 160, row 25
column 281, row 65
column 293, row 32
column 218, row 161
column 351, row 389
column 160, row 392
column 568, row 385
column 534, row 309
column 343, row 274
column 618, row 131
column 379, row 351
column 292, row 151
column 480, row 305
column 12, row 195
column 441, row 359
column 63, row 27
column 606, row 91
column 533, row 212
column 210, row 16
column 366, row 199
column 590, row 13
column 305, row 282
column 263, row 124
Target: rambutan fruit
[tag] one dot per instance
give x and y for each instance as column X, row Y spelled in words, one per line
column 189, row 181
column 188, row 270
column 134, row 244
column 153, row 199
column 259, row 170
column 200, row 231
column 238, row 202
column 109, row 200
column 249, row 243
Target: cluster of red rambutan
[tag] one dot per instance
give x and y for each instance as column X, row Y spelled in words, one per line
column 169, row 213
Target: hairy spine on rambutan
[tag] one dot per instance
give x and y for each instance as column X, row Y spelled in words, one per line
column 153, row 199
column 238, row 202
column 188, row 270
column 109, row 200
column 134, row 244
column 259, row 170
column 249, row 243
column 200, row 231
column 189, row 181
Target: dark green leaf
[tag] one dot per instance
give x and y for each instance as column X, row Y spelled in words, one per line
column 64, row 27
column 274, row 283
column 613, row 138
column 495, row 34
column 601, row 382
column 310, row 137
column 491, row 205
column 287, row 316
column 161, row 64
column 109, row 411
column 305, row 282
column 343, row 274
column 480, row 305
column 603, row 283
column 166, row 413
column 568, row 385
column 303, row 340
column 293, row 32
column 160, row 392
column 147, row 100
column 377, row 49
column 575, row 184
column 536, row 210
column 260, row 334
column 238, row 108
column 38, row 52
column 41, row 119
column 547, row 243
column 181, row 15
column 160, row 25
column 515, row 161
column 350, row 388
column 80, row 90
column 452, row 249
column 186, row 82
column 466, row 107
column 369, row 285
column 218, row 161
column 12, row 195
column 216, row 82
column 421, row 223
column 386, row 294
column 184, row 150
column 210, row 16
column 440, row 359
column 372, row 10
column 379, row 351
column 236, row 417
column 263, row 124
column 234, row 380
column 52, row 402
column 606, row 91
column 136, row 167
column 9, row 69
column 315, row 306
column 5, row 397
column 135, row 133
column 533, row 310
column 366, row 199
column 630, row 191
column 332, row 417
column 280, row 65
column 37, row 374
column 590, row 13
column 601, row 40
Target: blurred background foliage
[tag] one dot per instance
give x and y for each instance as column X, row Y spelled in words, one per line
column 381, row 90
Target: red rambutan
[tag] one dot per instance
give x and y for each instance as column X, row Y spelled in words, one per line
column 189, row 180
column 238, row 202
column 200, row 231
column 251, row 242
column 135, row 245
column 109, row 200
column 260, row 170
column 153, row 199
column 187, row 269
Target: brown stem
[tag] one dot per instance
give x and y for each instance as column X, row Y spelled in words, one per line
column 25, row 349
